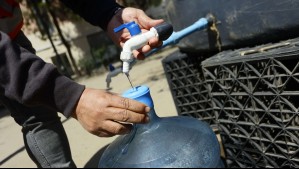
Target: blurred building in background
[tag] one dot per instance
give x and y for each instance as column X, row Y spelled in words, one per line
column 90, row 47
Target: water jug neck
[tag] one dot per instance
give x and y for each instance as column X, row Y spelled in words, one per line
column 142, row 94
column 148, row 126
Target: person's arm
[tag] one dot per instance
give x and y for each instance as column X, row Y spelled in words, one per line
column 26, row 78
column 99, row 112
column 107, row 15
column 96, row 12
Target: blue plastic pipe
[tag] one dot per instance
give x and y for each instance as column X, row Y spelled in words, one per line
column 175, row 37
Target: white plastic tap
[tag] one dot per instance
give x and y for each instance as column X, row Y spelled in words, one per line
column 137, row 41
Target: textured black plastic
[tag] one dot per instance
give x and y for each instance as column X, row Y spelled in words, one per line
column 250, row 94
column 255, row 96
column 164, row 30
column 189, row 92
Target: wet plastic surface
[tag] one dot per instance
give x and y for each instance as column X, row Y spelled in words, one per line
column 168, row 142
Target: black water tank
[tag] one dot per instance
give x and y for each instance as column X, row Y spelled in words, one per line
column 240, row 23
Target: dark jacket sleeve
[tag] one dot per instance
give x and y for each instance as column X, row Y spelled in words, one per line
column 26, row 78
column 96, row 12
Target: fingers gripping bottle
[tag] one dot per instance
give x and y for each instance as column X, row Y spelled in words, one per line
column 168, row 142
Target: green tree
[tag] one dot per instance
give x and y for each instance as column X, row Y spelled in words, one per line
column 39, row 12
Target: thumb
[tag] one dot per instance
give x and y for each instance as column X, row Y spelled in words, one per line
column 153, row 23
column 147, row 22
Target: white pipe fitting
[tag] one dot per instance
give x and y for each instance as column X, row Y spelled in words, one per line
column 136, row 42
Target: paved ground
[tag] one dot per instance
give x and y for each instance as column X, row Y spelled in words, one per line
column 86, row 148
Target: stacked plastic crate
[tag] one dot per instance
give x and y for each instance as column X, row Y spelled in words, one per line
column 250, row 94
column 255, row 98
column 186, row 82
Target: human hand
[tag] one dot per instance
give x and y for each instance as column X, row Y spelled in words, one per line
column 128, row 15
column 105, row 114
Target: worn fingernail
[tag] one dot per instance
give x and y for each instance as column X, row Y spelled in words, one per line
column 147, row 109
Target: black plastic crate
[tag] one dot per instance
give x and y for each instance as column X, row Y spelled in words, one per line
column 255, row 98
column 186, row 82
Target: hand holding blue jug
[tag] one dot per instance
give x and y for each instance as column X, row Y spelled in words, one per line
column 169, row 142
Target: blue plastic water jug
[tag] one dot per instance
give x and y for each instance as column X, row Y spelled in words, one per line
column 168, row 142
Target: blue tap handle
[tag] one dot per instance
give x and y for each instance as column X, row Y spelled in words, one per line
column 133, row 28
column 111, row 68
